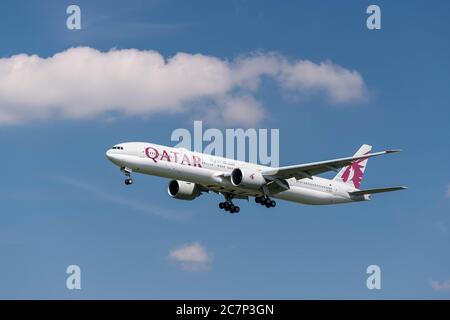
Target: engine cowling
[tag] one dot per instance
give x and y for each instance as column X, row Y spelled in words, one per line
column 246, row 178
column 183, row 190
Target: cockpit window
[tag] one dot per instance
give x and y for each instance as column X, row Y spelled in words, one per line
column 118, row 148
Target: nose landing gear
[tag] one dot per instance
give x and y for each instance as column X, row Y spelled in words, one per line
column 127, row 172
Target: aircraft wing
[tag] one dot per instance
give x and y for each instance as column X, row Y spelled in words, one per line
column 308, row 170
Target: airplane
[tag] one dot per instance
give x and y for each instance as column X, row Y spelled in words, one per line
column 193, row 174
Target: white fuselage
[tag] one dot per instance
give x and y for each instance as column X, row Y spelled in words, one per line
column 207, row 170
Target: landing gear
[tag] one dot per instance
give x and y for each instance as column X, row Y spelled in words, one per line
column 265, row 201
column 228, row 205
column 127, row 172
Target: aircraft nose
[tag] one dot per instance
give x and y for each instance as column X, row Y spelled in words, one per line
column 109, row 154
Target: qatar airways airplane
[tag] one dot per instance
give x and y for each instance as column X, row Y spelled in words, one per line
column 193, row 173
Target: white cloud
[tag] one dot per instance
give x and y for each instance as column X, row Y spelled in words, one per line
column 241, row 109
column 440, row 285
column 339, row 84
column 192, row 257
column 84, row 83
column 249, row 69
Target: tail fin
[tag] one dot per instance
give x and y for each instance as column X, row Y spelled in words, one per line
column 354, row 173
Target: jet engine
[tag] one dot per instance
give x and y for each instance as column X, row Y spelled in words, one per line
column 183, row 190
column 248, row 179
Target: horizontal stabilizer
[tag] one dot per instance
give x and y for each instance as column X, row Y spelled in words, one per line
column 379, row 190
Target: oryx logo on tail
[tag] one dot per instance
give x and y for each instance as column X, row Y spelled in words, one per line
column 358, row 171
column 354, row 173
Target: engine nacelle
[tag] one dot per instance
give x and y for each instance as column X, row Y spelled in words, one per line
column 183, row 190
column 248, row 179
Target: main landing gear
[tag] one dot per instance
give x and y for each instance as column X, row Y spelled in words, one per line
column 127, row 172
column 265, row 201
column 228, row 205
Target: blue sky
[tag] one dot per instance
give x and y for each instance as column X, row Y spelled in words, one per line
column 63, row 203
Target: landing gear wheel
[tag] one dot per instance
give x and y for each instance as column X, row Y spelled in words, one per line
column 228, row 204
column 127, row 172
column 257, row 199
column 273, row 204
column 268, row 204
